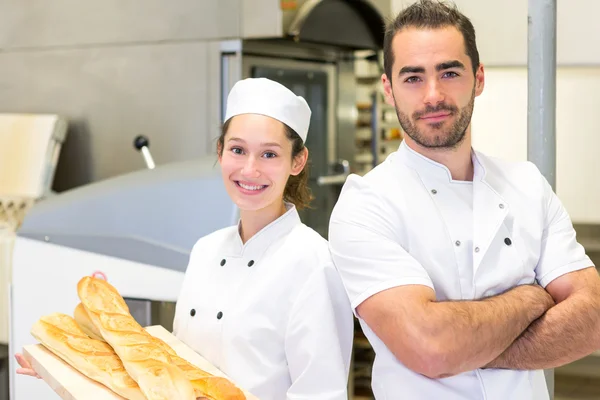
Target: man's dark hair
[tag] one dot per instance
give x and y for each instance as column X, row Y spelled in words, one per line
column 429, row 14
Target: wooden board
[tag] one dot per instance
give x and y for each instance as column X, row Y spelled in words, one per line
column 70, row 384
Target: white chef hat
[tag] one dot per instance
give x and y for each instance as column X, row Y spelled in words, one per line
column 266, row 97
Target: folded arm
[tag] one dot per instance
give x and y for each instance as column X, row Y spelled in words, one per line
column 440, row 339
column 571, row 329
column 567, row 332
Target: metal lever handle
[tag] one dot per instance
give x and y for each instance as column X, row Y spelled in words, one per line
column 142, row 144
column 337, row 179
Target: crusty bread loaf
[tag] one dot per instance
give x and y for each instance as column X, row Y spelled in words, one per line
column 205, row 384
column 209, row 386
column 93, row 358
column 85, row 323
column 145, row 361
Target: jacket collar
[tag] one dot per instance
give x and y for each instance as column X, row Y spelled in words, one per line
column 256, row 246
column 432, row 169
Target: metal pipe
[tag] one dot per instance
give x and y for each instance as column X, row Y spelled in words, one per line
column 541, row 77
column 541, row 99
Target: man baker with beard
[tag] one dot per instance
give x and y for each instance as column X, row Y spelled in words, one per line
column 463, row 270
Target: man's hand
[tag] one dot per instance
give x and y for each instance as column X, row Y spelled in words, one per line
column 441, row 339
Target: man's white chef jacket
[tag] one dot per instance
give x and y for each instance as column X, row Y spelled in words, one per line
column 407, row 222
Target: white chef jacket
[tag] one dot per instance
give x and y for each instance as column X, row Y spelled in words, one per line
column 407, row 222
column 272, row 313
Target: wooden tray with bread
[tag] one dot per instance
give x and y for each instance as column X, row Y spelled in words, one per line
column 102, row 353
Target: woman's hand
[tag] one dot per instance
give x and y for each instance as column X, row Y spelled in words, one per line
column 26, row 368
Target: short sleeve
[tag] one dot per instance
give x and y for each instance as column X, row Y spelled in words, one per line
column 560, row 251
column 365, row 245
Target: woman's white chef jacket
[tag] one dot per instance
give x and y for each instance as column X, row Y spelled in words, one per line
column 272, row 314
column 407, row 222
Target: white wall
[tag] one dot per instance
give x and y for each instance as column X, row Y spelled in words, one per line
column 500, row 129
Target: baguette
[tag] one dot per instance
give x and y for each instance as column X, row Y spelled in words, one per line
column 205, row 384
column 145, row 361
column 93, row 358
column 86, row 324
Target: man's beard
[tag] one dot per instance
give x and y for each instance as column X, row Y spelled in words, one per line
column 448, row 138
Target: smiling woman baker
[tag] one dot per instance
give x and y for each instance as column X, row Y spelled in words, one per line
column 261, row 300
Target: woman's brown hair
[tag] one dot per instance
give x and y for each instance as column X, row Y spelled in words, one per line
column 296, row 189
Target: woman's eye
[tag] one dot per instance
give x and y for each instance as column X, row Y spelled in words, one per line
column 269, row 154
column 236, row 150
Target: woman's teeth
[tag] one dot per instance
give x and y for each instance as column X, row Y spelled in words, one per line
column 248, row 187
